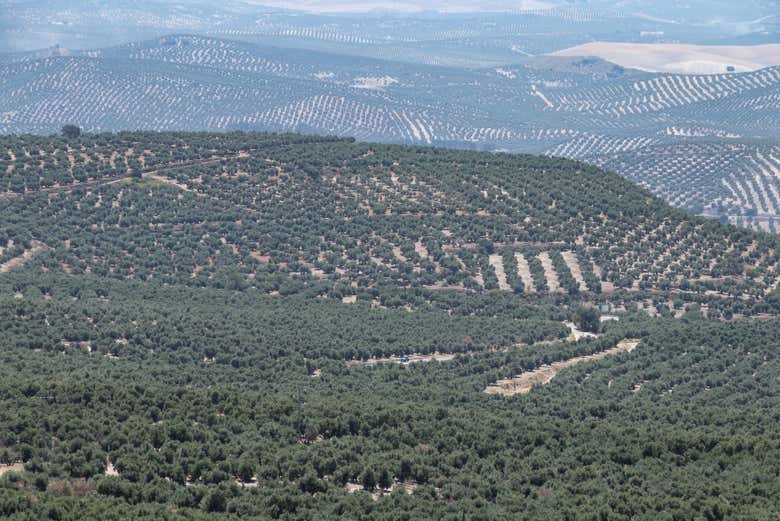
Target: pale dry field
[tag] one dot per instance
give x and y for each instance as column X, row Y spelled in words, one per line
column 413, row 358
column 679, row 58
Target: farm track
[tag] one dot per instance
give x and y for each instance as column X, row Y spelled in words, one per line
column 525, row 382
column 154, row 173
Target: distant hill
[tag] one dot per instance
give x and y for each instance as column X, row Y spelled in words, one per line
column 679, row 58
column 467, row 35
column 581, row 108
column 281, row 212
column 735, row 180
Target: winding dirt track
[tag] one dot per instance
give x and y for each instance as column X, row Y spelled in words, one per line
column 152, row 173
column 523, row 383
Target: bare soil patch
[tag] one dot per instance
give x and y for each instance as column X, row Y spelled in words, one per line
column 498, row 265
column 406, row 359
column 523, row 383
column 110, row 469
column 576, row 333
column 14, row 467
column 421, row 250
column 36, row 248
column 408, row 487
column 169, row 181
column 574, row 267
column 549, row 273
column 524, row 272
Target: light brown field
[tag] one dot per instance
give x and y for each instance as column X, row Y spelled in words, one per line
column 570, row 258
column 681, row 59
column 553, row 284
column 523, row 383
column 498, row 265
column 524, row 272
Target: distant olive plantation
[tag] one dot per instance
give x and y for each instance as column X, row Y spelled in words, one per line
column 688, row 138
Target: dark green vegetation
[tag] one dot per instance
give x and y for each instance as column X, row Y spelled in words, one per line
column 683, row 426
column 173, row 342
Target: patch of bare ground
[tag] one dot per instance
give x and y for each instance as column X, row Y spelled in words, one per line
column 576, row 333
column 479, row 279
column 259, row 257
column 398, row 254
column 171, row 182
column 498, row 265
column 525, row 382
column 110, row 469
column 443, row 286
column 571, row 261
column 606, row 287
column 524, row 272
column 407, row 487
column 421, row 250
column 36, row 247
column 407, row 359
column 14, row 467
column 549, row 273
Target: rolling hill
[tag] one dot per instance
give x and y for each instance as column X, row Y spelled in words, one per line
column 680, row 58
column 734, row 180
column 580, row 108
column 474, row 37
column 281, row 213
column 224, row 326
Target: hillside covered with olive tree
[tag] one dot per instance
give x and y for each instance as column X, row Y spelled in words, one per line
column 279, row 326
